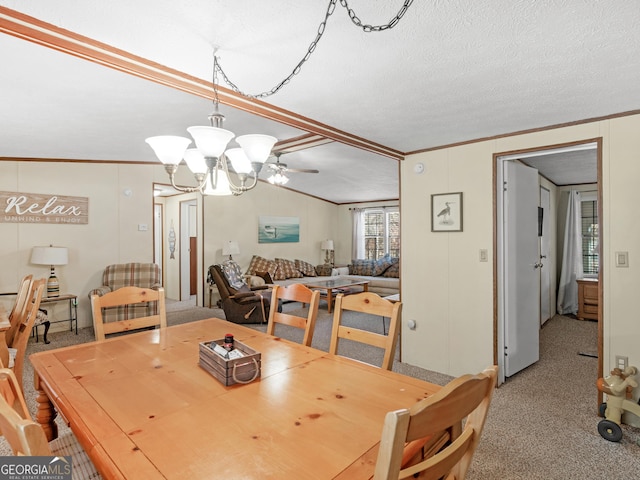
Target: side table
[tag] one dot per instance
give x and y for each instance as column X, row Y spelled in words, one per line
column 73, row 313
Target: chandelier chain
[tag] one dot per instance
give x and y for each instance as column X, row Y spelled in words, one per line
column 312, row 46
column 376, row 28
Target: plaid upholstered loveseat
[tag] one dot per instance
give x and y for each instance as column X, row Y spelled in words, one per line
column 144, row 275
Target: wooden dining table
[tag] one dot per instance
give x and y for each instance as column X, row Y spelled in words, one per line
column 142, row 407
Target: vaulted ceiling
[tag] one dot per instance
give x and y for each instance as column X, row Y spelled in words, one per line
column 448, row 72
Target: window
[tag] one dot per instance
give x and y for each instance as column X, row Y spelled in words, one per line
column 589, row 216
column 380, row 233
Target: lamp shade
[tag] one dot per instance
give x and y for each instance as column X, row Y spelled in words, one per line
column 327, row 245
column 169, row 148
column 278, row 179
column 195, row 160
column 222, row 186
column 239, row 160
column 257, row 147
column 231, row 247
column 211, row 141
column 50, row 255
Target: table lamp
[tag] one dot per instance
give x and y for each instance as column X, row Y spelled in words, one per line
column 327, row 245
column 231, row 247
column 51, row 256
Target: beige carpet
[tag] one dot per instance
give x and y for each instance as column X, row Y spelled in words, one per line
column 542, row 423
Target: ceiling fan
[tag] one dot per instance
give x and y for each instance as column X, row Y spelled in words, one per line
column 279, row 169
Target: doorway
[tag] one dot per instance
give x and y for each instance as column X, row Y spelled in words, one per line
column 188, row 249
column 559, row 167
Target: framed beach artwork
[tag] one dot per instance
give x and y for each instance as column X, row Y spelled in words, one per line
column 278, row 229
column 446, row 212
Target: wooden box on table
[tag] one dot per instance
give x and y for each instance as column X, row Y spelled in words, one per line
column 230, row 371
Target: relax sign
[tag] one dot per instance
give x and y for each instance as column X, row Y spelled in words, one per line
column 41, row 208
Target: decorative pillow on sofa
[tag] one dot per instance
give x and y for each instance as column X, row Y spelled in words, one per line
column 381, row 265
column 306, row 268
column 265, row 276
column 361, row 267
column 287, row 268
column 394, row 270
column 259, row 264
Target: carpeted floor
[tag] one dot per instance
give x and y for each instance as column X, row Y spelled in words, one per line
column 542, row 423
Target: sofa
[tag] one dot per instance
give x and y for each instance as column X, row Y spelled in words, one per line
column 144, row 275
column 382, row 274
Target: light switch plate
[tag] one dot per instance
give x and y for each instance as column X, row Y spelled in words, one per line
column 622, row 259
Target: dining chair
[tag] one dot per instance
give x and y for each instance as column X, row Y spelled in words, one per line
column 27, row 437
column 19, row 307
column 372, row 304
column 127, row 296
column 18, row 345
column 295, row 292
column 464, row 399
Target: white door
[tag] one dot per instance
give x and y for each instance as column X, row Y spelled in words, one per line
column 521, row 267
column 545, row 260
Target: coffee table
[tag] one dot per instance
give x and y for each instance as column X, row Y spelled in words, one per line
column 328, row 288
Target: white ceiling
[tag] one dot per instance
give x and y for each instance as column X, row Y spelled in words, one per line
column 449, row 72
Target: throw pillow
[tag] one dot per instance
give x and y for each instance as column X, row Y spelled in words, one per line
column 265, row 276
column 306, row 268
column 381, row 265
column 361, row 267
column 259, row 264
column 287, row 268
column 393, row 271
column 336, row 272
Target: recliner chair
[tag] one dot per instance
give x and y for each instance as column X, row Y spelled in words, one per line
column 241, row 304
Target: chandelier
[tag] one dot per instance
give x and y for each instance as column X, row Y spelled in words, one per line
column 209, row 162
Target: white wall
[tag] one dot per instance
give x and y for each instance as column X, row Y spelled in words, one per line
column 450, row 293
column 111, row 236
column 236, row 218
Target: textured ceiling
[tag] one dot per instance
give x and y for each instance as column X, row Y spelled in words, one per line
column 449, row 72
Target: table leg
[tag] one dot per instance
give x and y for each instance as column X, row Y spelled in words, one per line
column 45, row 414
column 329, row 300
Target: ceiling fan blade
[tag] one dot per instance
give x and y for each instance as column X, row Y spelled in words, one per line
column 302, row 170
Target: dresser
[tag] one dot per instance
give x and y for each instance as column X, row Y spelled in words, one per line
column 588, row 299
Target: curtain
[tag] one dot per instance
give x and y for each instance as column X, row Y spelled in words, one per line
column 571, row 269
column 357, row 246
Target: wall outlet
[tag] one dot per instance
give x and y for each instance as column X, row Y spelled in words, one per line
column 622, row 362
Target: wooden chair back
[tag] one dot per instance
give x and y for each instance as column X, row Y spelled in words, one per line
column 23, row 435
column 18, row 347
column 467, row 397
column 19, row 307
column 127, row 296
column 298, row 293
column 373, row 304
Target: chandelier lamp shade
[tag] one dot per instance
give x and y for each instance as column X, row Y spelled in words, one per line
column 51, row 256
